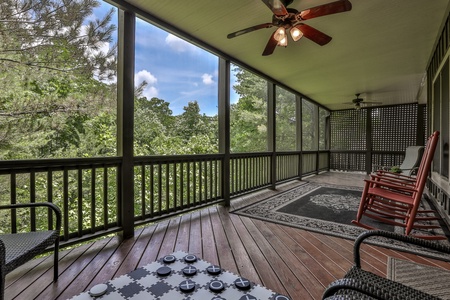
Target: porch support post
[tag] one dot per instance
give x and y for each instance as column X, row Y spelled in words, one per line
column 316, row 135
column 125, row 120
column 369, row 140
column 328, row 139
column 224, row 126
column 271, row 132
column 421, row 134
column 299, row 133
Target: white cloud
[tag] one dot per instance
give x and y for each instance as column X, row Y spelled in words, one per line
column 179, row 45
column 150, row 90
column 145, row 75
column 207, row 79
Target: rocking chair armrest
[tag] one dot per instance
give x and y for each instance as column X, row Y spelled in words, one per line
column 394, row 177
column 387, row 173
column 50, row 205
column 359, row 286
column 394, row 186
column 432, row 245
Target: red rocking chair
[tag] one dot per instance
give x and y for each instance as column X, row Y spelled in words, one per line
column 395, row 199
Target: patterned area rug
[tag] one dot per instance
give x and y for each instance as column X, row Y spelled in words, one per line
column 322, row 208
column 428, row 279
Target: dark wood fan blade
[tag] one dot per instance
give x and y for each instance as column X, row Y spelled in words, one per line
column 326, row 9
column 277, row 7
column 271, row 45
column 314, row 35
column 250, row 29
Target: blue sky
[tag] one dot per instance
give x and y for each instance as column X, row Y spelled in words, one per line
column 176, row 71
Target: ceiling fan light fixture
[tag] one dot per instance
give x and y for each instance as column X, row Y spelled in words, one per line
column 283, row 42
column 296, row 33
column 280, row 34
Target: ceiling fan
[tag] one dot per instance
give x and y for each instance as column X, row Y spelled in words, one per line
column 358, row 101
column 289, row 19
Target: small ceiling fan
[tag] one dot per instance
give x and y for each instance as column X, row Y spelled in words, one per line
column 289, row 19
column 358, row 101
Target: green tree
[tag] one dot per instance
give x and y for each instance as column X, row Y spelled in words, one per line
column 53, row 74
column 249, row 114
column 197, row 132
column 285, row 120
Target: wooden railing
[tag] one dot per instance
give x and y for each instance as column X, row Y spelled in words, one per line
column 84, row 189
column 88, row 190
column 169, row 184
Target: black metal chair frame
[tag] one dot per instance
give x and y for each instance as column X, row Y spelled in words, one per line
column 360, row 284
column 18, row 248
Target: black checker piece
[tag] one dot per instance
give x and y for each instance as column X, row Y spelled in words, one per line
column 190, row 258
column 248, row 297
column 242, row 284
column 168, row 259
column 214, row 270
column 189, row 271
column 164, row 271
column 187, row 286
column 216, row 286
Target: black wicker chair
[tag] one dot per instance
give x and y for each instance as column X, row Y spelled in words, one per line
column 360, row 284
column 18, row 248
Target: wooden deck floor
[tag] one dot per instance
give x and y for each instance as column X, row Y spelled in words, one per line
column 290, row 261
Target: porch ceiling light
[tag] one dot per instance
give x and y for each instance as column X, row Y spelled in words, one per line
column 296, row 33
column 283, row 42
column 280, row 34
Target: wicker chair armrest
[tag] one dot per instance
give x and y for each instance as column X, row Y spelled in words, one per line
column 2, row 254
column 429, row 244
column 50, row 205
column 370, row 290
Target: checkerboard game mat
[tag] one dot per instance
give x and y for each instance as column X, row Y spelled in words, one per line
column 180, row 276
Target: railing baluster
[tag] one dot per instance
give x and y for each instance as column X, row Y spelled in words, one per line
column 152, row 190
column 188, row 183
column 66, row 204
column 167, row 187
column 50, row 197
column 33, row 200
column 105, row 198
column 13, row 187
column 143, row 191
column 160, row 209
column 80, row 201
column 182, row 198
column 194, row 171
column 93, row 201
column 175, row 186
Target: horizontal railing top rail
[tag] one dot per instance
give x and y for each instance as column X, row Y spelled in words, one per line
column 23, row 166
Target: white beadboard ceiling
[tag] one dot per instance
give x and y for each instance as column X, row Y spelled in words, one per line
column 381, row 48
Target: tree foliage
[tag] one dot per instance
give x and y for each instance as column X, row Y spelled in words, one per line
column 249, row 115
column 53, row 67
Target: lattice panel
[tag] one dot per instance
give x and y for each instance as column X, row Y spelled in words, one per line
column 348, row 129
column 394, row 128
